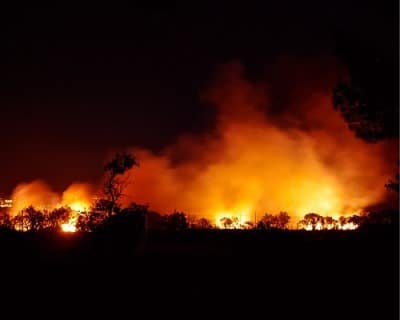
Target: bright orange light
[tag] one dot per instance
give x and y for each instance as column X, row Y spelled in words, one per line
column 300, row 160
column 77, row 197
column 349, row 226
column 233, row 220
column 68, row 227
column 78, row 206
column 335, row 225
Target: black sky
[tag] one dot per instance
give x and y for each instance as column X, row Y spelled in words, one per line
column 76, row 82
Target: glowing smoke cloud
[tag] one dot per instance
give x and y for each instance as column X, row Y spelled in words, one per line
column 300, row 160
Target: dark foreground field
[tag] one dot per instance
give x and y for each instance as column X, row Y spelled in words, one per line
column 203, row 274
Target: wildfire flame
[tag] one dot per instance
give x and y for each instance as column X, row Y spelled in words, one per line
column 293, row 154
column 77, row 197
column 298, row 158
column 335, row 225
column 69, row 227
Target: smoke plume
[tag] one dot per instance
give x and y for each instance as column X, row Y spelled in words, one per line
column 268, row 152
column 276, row 145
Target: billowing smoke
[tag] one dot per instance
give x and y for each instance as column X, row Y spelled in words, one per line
column 292, row 153
column 276, row 145
column 36, row 193
column 78, row 196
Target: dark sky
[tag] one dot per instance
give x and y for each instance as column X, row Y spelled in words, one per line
column 79, row 81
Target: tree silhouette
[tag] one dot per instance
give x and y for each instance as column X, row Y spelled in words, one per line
column 343, row 221
column 154, row 220
column 384, row 217
column 393, row 184
column 91, row 221
column 314, row 220
column 248, row 225
column 329, row 223
column 57, row 217
column 129, row 220
column 5, row 220
column 29, row 219
column 204, row 223
column 282, row 220
column 114, row 185
column 226, row 222
column 368, row 97
column 176, row 221
column 355, row 219
column 269, row 221
column 235, row 223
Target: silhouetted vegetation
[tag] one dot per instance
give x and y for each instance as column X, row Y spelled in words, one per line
column 176, row 221
column 393, row 184
column 269, row 221
column 91, row 221
column 368, row 97
column 114, row 184
column 203, row 223
column 58, row 216
column 5, row 220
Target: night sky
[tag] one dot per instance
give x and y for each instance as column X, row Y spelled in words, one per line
column 78, row 82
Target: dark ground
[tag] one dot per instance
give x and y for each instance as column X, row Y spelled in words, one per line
column 203, row 274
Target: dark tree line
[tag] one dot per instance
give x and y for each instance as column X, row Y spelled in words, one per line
column 367, row 97
column 314, row 221
column 106, row 213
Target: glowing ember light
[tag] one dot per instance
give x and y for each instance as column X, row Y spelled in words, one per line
column 227, row 220
column 68, row 227
column 349, row 226
column 308, row 227
column 78, row 206
column 334, row 225
column 267, row 161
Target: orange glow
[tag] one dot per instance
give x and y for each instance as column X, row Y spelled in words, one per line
column 300, row 159
column 37, row 194
column 68, row 227
column 319, row 226
column 333, row 224
column 238, row 219
column 77, row 197
column 348, row 226
column 262, row 155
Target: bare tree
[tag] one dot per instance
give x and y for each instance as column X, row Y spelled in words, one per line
column 114, row 184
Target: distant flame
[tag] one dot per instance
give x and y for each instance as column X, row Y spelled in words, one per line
column 78, row 197
column 293, row 154
column 68, row 227
column 334, row 226
column 349, row 226
column 79, row 206
column 276, row 146
column 236, row 220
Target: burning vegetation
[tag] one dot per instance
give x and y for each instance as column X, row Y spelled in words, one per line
column 267, row 155
column 260, row 156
